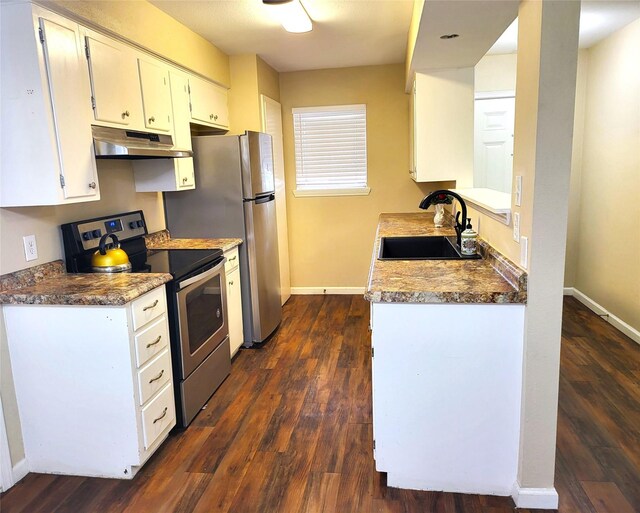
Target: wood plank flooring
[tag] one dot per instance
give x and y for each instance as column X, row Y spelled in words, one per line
column 290, row 431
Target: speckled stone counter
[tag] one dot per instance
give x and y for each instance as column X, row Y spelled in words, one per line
column 48, row 284
column 494, row 279
column 163, row 240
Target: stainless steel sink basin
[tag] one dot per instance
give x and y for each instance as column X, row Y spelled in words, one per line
column 421, row 248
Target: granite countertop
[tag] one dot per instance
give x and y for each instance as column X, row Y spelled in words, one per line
column 49, row 284
column 163, row 240
column 493, row 279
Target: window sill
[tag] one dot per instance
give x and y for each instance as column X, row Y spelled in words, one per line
column 364, row 191
column 494, row 204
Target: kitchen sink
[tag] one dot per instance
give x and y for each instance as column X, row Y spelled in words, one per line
column 421, row 248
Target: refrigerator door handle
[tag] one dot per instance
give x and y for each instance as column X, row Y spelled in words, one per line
column 265, row 199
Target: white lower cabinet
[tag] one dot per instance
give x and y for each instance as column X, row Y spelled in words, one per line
column 95, row 394
column 234, row 300
column 447, row 382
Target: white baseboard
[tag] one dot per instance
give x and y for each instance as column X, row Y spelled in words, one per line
column 535, row 498
column 303, row 291
column 598, row 309
column 20, row 470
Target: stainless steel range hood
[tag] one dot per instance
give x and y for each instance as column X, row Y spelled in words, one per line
column 118, row 143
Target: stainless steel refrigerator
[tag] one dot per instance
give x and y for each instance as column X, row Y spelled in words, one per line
column 235, row 197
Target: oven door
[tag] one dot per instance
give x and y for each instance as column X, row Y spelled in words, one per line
column 202, row 316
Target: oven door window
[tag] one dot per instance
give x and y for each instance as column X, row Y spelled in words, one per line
column 205, row 312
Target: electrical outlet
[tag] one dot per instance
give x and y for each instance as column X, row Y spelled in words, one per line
column 524, row 248
column 30, row 247
column 516, row 226
column 518, row 192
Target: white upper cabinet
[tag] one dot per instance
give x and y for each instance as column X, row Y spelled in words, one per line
column 441, row 129
column 208, row 103
column 171, row 174
column 156, row 97
column 115, row 84
column 47, row 156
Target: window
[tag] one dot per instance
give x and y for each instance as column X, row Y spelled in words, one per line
column 331, row 150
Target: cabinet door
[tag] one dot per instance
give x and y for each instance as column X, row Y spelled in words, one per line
column 181, row 129
column 70, row 98
column 114, row 82
column 208, row 103
column 156, row 97
column 234, row 310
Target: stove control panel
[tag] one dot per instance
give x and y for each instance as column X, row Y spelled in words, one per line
column 125, row 227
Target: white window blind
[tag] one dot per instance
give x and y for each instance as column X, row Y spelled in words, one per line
column 331, row 147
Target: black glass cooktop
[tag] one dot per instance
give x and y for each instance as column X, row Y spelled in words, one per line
column 177, row 262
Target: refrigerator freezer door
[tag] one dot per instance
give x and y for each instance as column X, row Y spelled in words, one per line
column 264, row 269
column 257, row 165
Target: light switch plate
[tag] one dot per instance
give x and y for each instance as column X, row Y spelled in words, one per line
column 30, row 247
column 518, row 192
column 516, row 226
column 524, row 254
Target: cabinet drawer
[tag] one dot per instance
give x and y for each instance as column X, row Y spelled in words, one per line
column 154, row 376
column 232, row 260
column 148, row 307
column 158, row 416
column 151, row 341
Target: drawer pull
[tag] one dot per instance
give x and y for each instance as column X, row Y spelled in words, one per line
column 154, row 342
column 232, row 258
column 164, row 414
column 157, row 377
column 155, row 303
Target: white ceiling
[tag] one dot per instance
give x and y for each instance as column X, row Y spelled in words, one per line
column 345, row 32
column 367, row 32
column 598, row 19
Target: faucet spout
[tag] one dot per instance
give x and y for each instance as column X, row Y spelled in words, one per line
column 431, row 197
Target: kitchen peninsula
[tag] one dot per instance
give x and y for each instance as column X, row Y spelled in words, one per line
column 447, row 339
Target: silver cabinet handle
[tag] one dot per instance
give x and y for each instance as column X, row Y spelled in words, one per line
column 231, row 282
column 215, row 118
column 152, row 119
column 155, row 303
column 232, row 258
column 164, row 414
column 92, row 185
column 125, row 114
column 210, row 116
column 154, row 342
column 184, row 180
column 157, row 377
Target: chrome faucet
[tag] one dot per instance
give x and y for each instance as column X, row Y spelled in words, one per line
column 459, row 227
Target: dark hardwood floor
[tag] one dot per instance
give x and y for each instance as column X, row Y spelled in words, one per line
column 290, row 431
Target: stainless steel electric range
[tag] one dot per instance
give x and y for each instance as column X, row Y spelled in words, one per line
column 196, row 300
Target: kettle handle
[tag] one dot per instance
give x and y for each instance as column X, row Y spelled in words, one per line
column 103, row 242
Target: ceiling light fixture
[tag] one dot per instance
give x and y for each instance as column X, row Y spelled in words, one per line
column 292, row 15
column 449, row 36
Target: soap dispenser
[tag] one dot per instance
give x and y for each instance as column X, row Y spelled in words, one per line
column 469, row 240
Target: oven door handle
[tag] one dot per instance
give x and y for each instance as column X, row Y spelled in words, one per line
column 202, row 276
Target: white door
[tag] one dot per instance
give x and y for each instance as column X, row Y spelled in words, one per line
column 272, row 125
column 493, row 143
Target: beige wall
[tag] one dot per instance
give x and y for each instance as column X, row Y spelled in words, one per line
column 244, row 98
column 496, row 73
column 268, row 80
column 144, row 24
column 608, row 246
column 250, row 77
column 331, row 238
column 147, row 26
column 571, row 260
